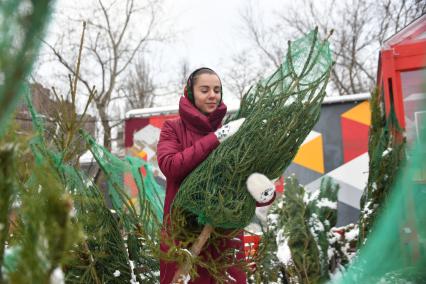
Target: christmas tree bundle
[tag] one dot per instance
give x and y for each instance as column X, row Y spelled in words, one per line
column 280, row 111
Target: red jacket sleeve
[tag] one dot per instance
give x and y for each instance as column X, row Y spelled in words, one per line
column 174, row 161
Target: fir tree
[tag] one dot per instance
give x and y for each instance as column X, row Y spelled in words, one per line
column 301, row 243
column 386, row 151
column 64, row 227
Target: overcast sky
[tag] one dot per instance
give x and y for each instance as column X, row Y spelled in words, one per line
column 207, row 33
column 213, row 29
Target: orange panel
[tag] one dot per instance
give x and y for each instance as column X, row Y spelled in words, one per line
column 310, row 155
column 360, row 113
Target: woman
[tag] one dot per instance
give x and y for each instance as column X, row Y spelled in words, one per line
column 187, row 141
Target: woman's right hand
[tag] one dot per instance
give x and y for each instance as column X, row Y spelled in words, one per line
column 228, row 129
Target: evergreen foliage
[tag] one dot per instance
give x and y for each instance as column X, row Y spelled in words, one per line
column 119, row 245
column 22, row 24
column 8, row 188
column 280, row 112
column 392, row 250
column 61, row 225
column 301, row 243
column 386, row 151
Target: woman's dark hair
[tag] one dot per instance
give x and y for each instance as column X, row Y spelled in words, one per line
column 192, row 79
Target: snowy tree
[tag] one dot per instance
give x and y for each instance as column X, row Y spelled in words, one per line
column 386, row 150
column 301, row 243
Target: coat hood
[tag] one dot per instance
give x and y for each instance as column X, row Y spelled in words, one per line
column 197, row 121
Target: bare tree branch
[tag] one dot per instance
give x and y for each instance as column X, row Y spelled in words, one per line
column 111, row 53
column 361, row 26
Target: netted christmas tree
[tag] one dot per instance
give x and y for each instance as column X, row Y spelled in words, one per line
column 280, row 111
column 386, row 150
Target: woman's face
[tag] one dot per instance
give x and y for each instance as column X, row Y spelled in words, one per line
column 207, row 92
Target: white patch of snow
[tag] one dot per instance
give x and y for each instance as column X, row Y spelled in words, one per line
column 280, row 204
column 273, row 219
column 73, row 212
column 336, row 277
column 324, row 202
column 330, row 252
column 352, row 234
column 230, row 277
column 283, row 252
column 117, row 273
column 306, row 197
column 133, row 279
column 315, row 224
column 186, row 279
column 57, row 276
column 310, row 196
column 386, row 152
column 366, row 210
column 327, row 223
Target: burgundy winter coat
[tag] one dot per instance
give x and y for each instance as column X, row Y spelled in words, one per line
column 184, row 143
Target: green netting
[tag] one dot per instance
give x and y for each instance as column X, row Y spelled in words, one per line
column 62, row 219
column 22, row 25
column 150, row 198
column 114, row 236
column 395, row 249
column 150, row 195
column 280, row 112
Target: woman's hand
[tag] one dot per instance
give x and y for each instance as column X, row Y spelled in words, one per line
column 228, row 129
column 260, row 187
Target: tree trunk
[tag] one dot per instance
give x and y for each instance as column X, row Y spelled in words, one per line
column 105, row 125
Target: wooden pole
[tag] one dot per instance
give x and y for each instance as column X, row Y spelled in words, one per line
column 183, row 270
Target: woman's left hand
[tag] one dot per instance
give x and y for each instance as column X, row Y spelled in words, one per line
column 260, row 187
